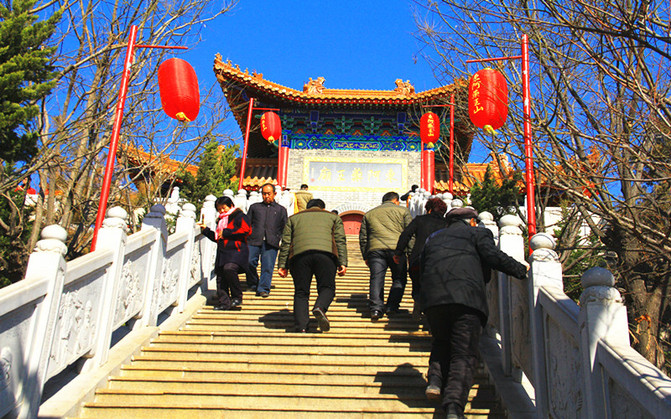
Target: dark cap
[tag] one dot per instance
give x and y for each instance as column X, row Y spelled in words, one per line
column 461, row 213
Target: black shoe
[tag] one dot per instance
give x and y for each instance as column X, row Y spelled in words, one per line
column 395, row 311
column 454, row 411
column 375, row 315
column 236, row 303
column 263, row 294
column 432, row 392
column 322, row 321
column 221, row 307
column 296, row 329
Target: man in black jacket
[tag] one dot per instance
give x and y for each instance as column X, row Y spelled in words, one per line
column 420, row 228
column 268, row 219
column 455, row 267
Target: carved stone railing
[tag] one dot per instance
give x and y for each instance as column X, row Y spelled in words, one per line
column 576, row 360
column 65, row 313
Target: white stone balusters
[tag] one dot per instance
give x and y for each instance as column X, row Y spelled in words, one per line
column 545, row 271
column 112, row 236
column 487, row 221
column 240, row 200
column 186, row 222
column 155, row 220
column 27, row 375
column 603, row 316
column 208, row 248
column 511, row 242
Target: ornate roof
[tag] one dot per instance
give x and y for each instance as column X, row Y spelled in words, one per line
column 238, row 86
column 315, row 93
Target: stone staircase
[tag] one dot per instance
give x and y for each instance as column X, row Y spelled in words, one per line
column 244, row 364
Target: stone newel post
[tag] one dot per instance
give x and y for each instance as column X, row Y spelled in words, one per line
column 186, row 223
column 112, row 236
column 603, row 317
column 155, row 220
column 47, row 262
column 511, row 241
column 545, row 271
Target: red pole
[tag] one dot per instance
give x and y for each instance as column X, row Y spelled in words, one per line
column 422, row 171
column 528, row 145
column 430, row 170
column 114, row 141
column 244, row 149
column 451, row 182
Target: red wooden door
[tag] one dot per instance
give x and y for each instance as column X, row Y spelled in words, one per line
column 352, row 222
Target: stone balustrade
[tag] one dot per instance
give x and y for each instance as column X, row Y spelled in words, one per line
column 66, row 313
column 567, row 360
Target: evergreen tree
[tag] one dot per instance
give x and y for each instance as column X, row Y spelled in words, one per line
column 216, row 168
column 26, row 76
column 498, row 200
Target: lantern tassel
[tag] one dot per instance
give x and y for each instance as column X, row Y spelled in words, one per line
column 489, row 130
column 182, row 117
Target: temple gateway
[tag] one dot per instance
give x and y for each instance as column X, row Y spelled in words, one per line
column 349, row 146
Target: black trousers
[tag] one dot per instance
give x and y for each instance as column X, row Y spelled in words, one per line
column 456, row 333
column 378, row 262
column 302, row 267
column 228, row 284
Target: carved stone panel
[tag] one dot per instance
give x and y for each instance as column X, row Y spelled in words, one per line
column 520, row 325
column 564, row 374
column 129, row 298
column 75, row 326
column 195, row 270
column 622, row 405
column 15, row 329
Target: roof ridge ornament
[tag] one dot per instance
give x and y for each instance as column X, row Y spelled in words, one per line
column 314, row 87
column 404, row 87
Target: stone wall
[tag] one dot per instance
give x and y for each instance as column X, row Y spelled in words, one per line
column 343, row 192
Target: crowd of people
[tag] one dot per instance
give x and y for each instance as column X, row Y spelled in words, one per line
column 447, row 257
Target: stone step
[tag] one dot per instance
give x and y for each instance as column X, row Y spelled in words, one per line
column 243, row 364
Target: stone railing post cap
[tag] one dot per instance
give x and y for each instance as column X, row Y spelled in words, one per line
column 54, row 232
column 157, row 208
column 117, row 212
column 542, row 241
column 510, row 220
column 486, row 216
column 597, row 276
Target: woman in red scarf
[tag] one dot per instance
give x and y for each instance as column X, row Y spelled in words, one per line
column 232, row 253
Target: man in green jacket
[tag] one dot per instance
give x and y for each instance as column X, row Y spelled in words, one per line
column 313, row 243
column 380, row 230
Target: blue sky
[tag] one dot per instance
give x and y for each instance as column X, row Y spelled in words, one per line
column 353, row 44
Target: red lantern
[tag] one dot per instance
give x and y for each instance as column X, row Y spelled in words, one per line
column 271, row 127
column 178, row 84
column 488, row 99
column 429, row 128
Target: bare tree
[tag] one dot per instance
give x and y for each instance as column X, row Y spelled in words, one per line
column 77, row 118
column 601, row 122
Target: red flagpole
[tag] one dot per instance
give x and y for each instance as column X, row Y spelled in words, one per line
column 528, row 146
column 244, row 149
column 114, row 141
column 451, row 182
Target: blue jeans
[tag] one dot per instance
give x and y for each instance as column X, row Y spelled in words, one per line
column 378, row 262
column 268, row 256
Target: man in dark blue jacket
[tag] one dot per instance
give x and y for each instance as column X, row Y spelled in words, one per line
column 268, row 219
column 455, row 268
